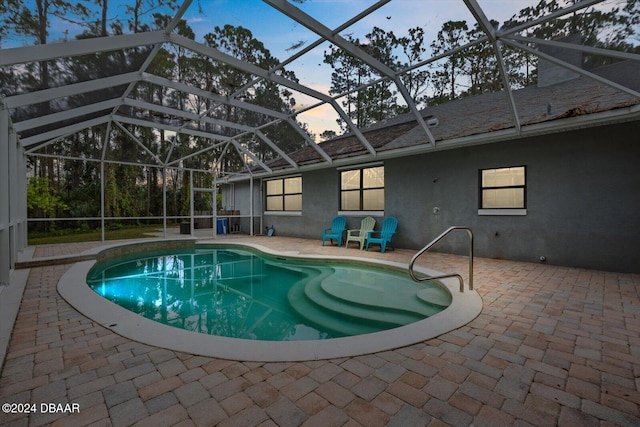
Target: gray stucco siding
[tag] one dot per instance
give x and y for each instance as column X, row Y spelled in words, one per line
column 583, row 204
column 583, row 199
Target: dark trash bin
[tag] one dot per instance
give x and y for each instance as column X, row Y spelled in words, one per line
column 185, row 228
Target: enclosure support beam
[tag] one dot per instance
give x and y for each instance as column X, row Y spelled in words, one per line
column 62, row 116
column 5, row 180
column 102, row 201
column 583, row 4
column 164, row 202
column 251, row 206
column 214, row 207
column 325, row 32
column 581, row 48
column 12, row 193
column 217, row 55
column 50, row 94
column 566, row 65
column 21, row 201
column 511, row 102
column 156, row 48
column 105, row 145
column 64, row 131
column 72, row 48
column 193, row 232
column 487, row 27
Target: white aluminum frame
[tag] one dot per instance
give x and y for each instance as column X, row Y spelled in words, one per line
column 13, row 190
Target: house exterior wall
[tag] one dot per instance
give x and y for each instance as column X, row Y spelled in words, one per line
column 583, row 205
column 582, row 209
column 319, row 201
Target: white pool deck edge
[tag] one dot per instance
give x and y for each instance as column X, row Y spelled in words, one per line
column 73, row 288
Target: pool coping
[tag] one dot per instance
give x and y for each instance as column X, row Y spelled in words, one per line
column 72, row 286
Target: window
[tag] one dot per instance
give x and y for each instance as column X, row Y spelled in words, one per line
column 362, row 189
column 503, row 188
column 284, row 194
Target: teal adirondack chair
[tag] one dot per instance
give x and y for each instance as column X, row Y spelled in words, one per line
column 338, row 226
column 384, row 236
column 359, row 236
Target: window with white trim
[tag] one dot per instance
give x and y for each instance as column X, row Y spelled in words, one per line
column 284, row 194
column 362, row 189
column 503, row 188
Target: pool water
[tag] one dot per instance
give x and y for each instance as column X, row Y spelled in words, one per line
column 246, row 294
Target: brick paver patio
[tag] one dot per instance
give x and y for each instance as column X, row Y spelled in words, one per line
column 552, row 346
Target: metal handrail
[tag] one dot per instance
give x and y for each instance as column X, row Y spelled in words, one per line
column 430, row 245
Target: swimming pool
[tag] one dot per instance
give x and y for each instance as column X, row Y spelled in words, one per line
column 243, row 293
column 73, row 288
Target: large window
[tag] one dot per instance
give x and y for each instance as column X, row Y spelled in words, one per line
column 362, row 189
column 503, row 188
column 284, row 194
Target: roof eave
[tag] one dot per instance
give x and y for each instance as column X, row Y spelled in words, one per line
column 618, row 115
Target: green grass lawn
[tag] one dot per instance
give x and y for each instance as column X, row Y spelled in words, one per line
column 133, row 232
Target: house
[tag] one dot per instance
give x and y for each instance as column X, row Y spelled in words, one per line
column 561, row 189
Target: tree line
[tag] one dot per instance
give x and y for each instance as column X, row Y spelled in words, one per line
column 70, row 187
column 470, row 71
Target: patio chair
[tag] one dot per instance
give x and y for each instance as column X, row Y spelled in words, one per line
column 338, row 226
column 384, row 236
column 359, row 236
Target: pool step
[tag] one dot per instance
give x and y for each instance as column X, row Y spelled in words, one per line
column 435, row 296
column 387, row 317
column 350, row 303
column 323, row 318
column 381, row 297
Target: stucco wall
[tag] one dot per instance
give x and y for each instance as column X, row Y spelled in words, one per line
column 583, row 199
column 583, row 206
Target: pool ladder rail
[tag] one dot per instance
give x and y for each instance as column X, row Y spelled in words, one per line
column 443, row 276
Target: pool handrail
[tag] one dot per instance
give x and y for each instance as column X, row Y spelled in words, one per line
column 443, row 276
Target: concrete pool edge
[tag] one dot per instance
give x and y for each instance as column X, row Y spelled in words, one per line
column 73, row 288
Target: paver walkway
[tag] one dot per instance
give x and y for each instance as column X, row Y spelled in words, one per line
column 552, row 346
